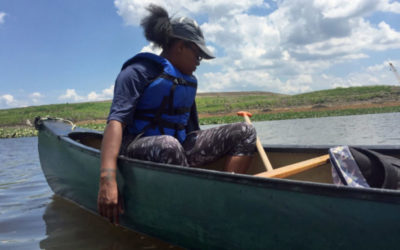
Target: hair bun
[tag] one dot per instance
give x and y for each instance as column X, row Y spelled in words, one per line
column 157, row 25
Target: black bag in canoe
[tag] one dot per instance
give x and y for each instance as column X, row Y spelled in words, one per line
column 361, row 167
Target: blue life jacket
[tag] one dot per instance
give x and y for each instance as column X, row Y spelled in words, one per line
column 164, row 107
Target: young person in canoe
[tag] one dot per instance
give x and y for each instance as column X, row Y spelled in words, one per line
column 153, row 115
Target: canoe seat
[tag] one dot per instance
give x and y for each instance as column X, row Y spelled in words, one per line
column 295, row 168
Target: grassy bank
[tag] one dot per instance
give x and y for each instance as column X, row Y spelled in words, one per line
column 74, row 112
column 229, row 102
column 300, row 114
column 216, row 108
column 17, row 131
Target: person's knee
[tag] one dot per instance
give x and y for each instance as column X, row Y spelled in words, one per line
column 167, row 142
column 247, row 143
column 171, row 150
column 249, row 128
column 248, row 132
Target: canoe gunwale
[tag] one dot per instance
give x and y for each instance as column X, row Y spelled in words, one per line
column 372, row 194
column 388, row 149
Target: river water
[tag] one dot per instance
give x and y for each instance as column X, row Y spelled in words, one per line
column 31, row 217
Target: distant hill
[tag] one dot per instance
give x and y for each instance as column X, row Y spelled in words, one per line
column 241, row 93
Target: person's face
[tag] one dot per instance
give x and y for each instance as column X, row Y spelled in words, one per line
column 189, row 59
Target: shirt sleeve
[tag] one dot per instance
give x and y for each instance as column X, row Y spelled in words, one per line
column 129, row 86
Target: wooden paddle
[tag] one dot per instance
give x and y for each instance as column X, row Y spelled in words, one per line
column 288, row 170
column 260, row 148
column 295, row 168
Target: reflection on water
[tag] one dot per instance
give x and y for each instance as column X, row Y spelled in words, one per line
column 68, row 226
column 32, row 218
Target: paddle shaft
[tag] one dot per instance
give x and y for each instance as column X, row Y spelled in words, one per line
column 260, row 149
column 296, row 168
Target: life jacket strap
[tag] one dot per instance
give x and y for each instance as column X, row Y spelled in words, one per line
column 178, row 81
column 175, row 111
column 159, row 123
column 171, row 99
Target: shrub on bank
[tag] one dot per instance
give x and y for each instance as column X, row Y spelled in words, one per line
column 14, row 132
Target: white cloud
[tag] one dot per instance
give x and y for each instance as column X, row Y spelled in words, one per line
column 106, row 94
column 360, row 8
column 71, row 95
column 132, row 11
column 151, row 48
column 378, row 74
column 223, row 81
column 7, row 100
column 390, row 6
column 2, row 17
column 285, row 49
column 343, row 8
column 12, row 101
column 36, row 97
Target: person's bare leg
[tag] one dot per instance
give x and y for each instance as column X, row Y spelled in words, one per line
column 238, row 164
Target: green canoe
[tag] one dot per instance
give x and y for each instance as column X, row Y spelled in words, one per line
column 210, row 209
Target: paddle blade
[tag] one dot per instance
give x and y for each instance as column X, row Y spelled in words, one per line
column 244, row 113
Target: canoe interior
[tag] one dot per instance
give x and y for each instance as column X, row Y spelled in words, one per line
column 87, row 138
column 278, row 158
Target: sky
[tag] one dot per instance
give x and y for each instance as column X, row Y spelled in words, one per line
column 58, row 51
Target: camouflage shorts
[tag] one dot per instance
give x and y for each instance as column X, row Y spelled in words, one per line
column 199, row 148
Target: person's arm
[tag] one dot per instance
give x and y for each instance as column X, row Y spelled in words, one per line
column 129, row 86
column 107, row 202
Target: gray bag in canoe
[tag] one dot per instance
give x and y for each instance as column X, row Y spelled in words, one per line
column 360, row 167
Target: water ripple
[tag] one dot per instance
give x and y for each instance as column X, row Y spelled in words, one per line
column 24, row 194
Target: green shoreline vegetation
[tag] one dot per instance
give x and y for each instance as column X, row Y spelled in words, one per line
column 219, row 108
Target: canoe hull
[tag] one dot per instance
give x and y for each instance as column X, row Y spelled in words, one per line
column 206, row 209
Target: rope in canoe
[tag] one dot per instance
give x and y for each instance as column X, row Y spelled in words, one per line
column 38, row 121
